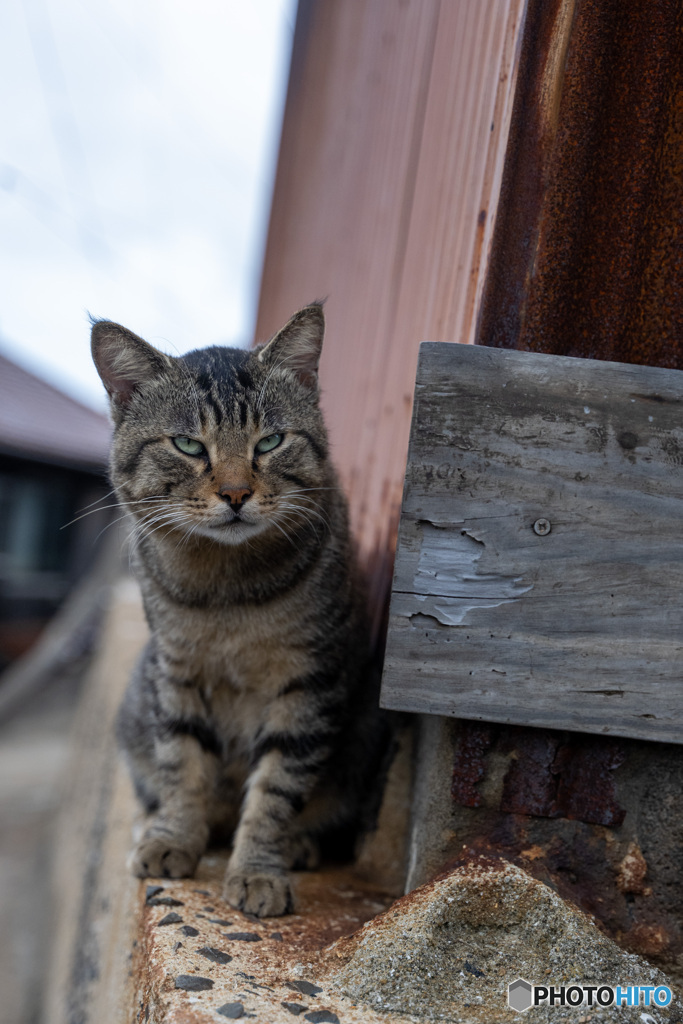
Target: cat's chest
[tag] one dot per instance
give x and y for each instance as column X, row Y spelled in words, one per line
column 248, row 650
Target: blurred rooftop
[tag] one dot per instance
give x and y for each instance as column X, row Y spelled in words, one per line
column 37, row 421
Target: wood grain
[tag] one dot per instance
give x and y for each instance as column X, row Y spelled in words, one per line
column 578, row 628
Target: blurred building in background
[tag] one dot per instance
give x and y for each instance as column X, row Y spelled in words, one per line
column 53, row 457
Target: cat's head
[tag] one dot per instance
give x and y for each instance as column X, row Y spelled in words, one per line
column 221, row 443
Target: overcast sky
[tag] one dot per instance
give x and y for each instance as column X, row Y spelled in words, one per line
column 138, row 141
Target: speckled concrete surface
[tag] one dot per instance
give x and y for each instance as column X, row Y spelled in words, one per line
column 445, row 952
column 448, row 950
column 198, row 960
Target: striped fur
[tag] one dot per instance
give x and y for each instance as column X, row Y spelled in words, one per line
column 253, row 705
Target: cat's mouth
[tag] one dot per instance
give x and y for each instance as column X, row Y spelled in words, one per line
column 234, row 531
column 235, row 520
column 234, row 523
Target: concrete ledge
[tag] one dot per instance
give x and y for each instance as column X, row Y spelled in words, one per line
column 196, row 955
column 172, row 952
column 96, row 901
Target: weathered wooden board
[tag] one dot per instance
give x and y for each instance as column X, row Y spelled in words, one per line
column 494, row 617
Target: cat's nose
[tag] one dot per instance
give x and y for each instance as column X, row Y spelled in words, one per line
column 235, row 494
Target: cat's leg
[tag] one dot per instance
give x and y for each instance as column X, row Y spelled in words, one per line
column 175, row 834
column 290, row 754
column 224, row 810
column 173, row 755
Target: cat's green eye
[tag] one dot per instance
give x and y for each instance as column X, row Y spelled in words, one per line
column 266, row 444
column 188, row 446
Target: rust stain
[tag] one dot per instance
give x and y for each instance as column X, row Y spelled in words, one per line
column 533, row 853
column 575, row 862
column 469, row 764
column 587, row 255
column 549, row 775
column 529, row 786
column 600, row 868
column 586, row 786
column 651, row 940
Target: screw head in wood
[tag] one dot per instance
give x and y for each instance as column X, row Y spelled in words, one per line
column 542, row 527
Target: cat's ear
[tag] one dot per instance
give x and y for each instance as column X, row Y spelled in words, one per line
column 124, row 361
column 297, row 346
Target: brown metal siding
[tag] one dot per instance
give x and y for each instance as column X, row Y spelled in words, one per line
column 390, row 163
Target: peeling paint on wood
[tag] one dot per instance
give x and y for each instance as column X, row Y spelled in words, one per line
column 539, row 572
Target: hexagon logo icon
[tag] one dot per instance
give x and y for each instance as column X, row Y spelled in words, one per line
column 520, row 995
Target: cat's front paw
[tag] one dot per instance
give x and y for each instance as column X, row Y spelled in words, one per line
column 162, row 857
column 258, row 893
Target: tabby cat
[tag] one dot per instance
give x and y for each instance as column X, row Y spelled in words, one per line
column 253, row 704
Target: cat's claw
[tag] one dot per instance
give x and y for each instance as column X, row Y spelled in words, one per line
column 258, row 893
column 159, row 857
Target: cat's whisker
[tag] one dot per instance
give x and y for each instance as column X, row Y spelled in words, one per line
column 309, row 503
column 188, row 536
column 308, row 491
column 283, row 532
column 296, row 512
column 297, row 522
column 163, row 519
column 164, row 513
column 316, row 506
column 304, row 510
column 84, row 515
column 98, row 500
column 157, row 508
column 118, row 504
column 151, row 516
column 113, row 522
column 286, row 517
column 149, row 532
column 303, row 490
column 179, row 537
column 190, row 533
column 142, row 528
column 162, row 500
